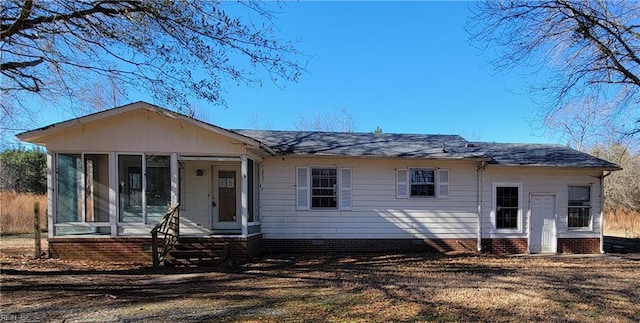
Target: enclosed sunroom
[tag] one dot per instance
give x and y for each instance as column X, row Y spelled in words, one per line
column 113, row 176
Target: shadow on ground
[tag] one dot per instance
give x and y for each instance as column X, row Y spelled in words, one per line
column 621, row 245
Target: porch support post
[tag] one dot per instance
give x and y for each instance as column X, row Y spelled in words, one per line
column 51, row 195
column 114, row 186
column 245, row 194
column 175, row 190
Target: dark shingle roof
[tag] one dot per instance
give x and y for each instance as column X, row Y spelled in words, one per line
column 352, row 144
column 545, row 155
column 355, row 144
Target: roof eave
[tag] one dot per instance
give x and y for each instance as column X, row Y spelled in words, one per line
column 306, row 154
column 602, row 168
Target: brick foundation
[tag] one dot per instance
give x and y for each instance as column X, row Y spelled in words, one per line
column 118, row 249
column 579, row 245
column 123, row 249
column 519, row 246
column 367, row 245
column 505, row 246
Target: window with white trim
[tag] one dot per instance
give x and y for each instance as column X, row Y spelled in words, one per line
column 507, row 207
column 579, row 211
column 144, row 187
column 323, row 188
column 82, row 188
column 82, row 194
column 422, row 182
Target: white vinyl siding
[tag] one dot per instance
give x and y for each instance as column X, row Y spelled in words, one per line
column 144, row 130
column 540, row 181
column 375, row 212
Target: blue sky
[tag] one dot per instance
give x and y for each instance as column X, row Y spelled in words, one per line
column 407, row 67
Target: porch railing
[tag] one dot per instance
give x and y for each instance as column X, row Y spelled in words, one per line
column 165, row 235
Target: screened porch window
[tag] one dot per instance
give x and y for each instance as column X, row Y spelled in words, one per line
column 69, row 188
column 82, row 194
column 253, row 190
column 144, row 188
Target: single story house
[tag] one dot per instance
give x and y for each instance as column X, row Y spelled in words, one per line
column 113, row 174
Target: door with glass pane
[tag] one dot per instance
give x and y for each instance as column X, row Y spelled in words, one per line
column 130, row 188
column 225, row 201
column 158, row 187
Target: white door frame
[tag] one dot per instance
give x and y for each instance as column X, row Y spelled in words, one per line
column 554, row 230
column 215, row 198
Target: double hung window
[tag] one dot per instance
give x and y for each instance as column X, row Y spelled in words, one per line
column 324, row 185
column 422, row 182
column 579, row 207
column 507, row 206
column 323, row 188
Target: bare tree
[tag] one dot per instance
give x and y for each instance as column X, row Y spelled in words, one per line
column 591, row 50
column 341, row 121
column 175, row 50
column 582, row 125
column 622, row 188
column 258, row 122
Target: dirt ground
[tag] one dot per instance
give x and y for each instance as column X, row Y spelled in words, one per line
column 326, row 287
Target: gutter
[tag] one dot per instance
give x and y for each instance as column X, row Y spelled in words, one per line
column 480, row 179
column 266, row 148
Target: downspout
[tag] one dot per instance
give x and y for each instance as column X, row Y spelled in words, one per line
column 480, row 180
column 602, row 210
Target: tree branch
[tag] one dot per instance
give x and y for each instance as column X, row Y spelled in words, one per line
column 19, row 65
column 25, row 11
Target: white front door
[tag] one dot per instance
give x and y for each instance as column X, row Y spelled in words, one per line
column 543, row 224
column 225, row 198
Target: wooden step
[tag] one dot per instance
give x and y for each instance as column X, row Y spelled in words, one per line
column 190, row 254
column 197, row 254
column 192, row 263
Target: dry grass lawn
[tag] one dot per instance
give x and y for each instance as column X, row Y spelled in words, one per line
column 16, row 212
column 622, row 223
column 368, row 287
